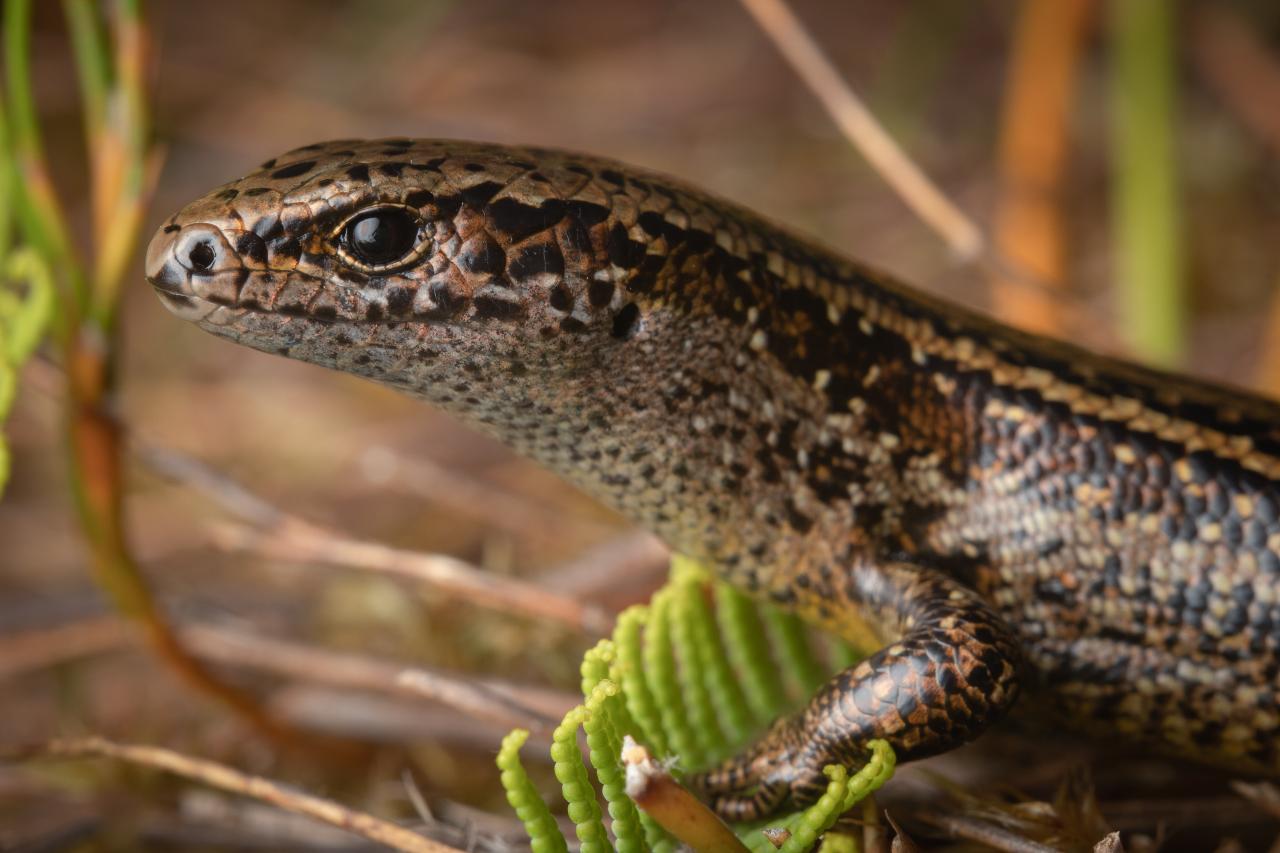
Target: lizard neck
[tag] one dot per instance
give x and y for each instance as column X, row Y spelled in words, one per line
column 760, row 443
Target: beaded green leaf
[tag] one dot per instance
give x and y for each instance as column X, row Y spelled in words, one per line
column 693, row 677
column 26, row 304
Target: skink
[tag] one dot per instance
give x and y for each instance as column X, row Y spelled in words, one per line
column 999, row 515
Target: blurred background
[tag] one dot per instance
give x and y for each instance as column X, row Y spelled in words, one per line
column 1036, row 118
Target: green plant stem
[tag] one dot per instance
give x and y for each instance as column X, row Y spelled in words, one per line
column 86, row 328
column 128, row 173
column 96, row 453
column 92, row 62
column 35, row 203
column 1144, row 196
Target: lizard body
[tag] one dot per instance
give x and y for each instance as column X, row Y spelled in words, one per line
column 1001, row 513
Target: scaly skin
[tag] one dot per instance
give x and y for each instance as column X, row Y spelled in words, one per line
column 1003, row 514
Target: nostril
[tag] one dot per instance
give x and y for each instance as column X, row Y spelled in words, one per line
column 202, row 256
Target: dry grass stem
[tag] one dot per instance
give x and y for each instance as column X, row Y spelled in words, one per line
column 497, row 507
column 503, row 703
column 264, row 790
column 41, row 648
column 625, row 568
column 279, row 535
column 995, row 837
column 1237, row 64
column 296, row 541
column 506, row 704
column 875, row 835
column 1264, row 795
column 862, row 129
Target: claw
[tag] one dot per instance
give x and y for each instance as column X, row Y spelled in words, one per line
column 782, row 765
column 743, row 808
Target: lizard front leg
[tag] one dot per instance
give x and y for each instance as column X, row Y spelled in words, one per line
column 948, row 670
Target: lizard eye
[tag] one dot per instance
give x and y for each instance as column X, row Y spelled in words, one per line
column 381, row 238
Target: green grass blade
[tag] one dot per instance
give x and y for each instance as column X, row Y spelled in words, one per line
column 35, row 205
column 93, row 65
column 1149, row 273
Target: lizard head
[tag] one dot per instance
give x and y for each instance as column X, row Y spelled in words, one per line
column 412, row 262
column 638, row 337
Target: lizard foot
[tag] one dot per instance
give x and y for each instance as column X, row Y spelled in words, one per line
column 783, row 766
column 950, row 669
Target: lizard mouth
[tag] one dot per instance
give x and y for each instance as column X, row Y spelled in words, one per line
column 210, row 311
column 195, row 309
column 182, row 302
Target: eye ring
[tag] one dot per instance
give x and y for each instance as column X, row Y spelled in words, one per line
column 380, row 238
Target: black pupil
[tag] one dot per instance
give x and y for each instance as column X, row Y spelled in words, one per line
column 201, row 257
column 382, row 236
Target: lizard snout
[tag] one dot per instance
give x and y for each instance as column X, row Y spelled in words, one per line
column 189, row 262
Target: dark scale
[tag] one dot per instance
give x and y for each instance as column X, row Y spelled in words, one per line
column 1007, row 516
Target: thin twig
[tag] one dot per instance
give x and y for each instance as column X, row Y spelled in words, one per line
column 275, row 533
column 279, row 535
column 995, row 837
column 186, row 470
column 85, row 313
column 1238, row 65
column 502, row 702
column 496, row 507
column 98, row 449
column 1264, row 795
column 31, row 651
column 626, row 568
column 492, row 699
column 256, row 787
column 924, row 198
column 298, row 541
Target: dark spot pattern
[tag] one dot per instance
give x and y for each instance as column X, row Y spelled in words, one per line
column 294, row 170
